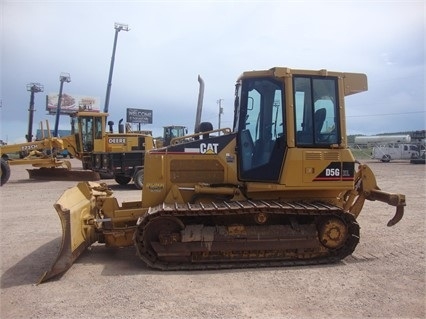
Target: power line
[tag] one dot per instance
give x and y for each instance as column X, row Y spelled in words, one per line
column 386, row 114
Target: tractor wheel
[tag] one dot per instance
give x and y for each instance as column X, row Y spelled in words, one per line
column 138, row 179
column 122, row 180
column 5, row 171
column 386, row 158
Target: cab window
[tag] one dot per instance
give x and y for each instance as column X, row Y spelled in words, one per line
column 316, row 111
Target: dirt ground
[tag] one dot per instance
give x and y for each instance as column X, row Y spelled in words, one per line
column 384, row 278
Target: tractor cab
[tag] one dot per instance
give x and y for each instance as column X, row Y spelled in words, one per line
column 172, row 131
column 281, row 114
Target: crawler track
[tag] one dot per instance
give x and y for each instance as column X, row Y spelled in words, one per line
column 243, row 234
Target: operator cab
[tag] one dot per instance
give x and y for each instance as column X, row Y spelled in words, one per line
column 273, row 113
column 88, row 127
column 172, row 131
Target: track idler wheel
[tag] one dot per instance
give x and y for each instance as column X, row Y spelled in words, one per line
column 160, row 230
column 333, row 233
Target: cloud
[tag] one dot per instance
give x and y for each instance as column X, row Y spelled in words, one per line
column 171, row 42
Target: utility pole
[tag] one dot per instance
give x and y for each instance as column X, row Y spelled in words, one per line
column 64, row 77
column 33, row 88
column 118, row 27
column 219, row 102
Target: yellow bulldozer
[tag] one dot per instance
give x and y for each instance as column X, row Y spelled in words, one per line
column 279, row 188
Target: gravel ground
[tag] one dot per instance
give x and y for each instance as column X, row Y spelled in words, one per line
column 384, row 278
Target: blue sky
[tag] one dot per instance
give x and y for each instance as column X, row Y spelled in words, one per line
column 172, row 42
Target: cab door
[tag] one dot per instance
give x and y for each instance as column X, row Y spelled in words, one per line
column 261, row 132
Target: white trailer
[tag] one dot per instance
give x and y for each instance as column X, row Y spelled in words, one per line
column 380, row 139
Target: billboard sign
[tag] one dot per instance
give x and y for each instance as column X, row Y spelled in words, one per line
column 72, row 103
column 139, row 116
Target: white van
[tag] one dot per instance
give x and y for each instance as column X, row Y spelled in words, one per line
column 395, row 151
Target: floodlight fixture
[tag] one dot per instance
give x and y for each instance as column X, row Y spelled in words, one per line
column 65, row 77
column 35, row 87
column 121, row 27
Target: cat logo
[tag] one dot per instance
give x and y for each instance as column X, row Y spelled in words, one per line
column 208, row 148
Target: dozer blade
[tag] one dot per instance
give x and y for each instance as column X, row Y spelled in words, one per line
column 77, row 212
column 62, row 174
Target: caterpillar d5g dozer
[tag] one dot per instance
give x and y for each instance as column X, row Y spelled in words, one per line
column 281, row 188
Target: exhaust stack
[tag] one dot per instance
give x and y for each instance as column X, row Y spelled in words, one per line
column 199, row 105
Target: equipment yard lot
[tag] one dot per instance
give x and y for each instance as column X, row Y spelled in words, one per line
column 384, row 278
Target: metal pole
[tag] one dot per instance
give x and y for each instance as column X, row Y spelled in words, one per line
column 30, row 120
column 65, row 77
column 118, row 27
column 111, row 69
column 34, row 88
column 58, row 110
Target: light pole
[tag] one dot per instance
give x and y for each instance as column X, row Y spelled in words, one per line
column 64, row 77
column 33, row 88
column 118, row 27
